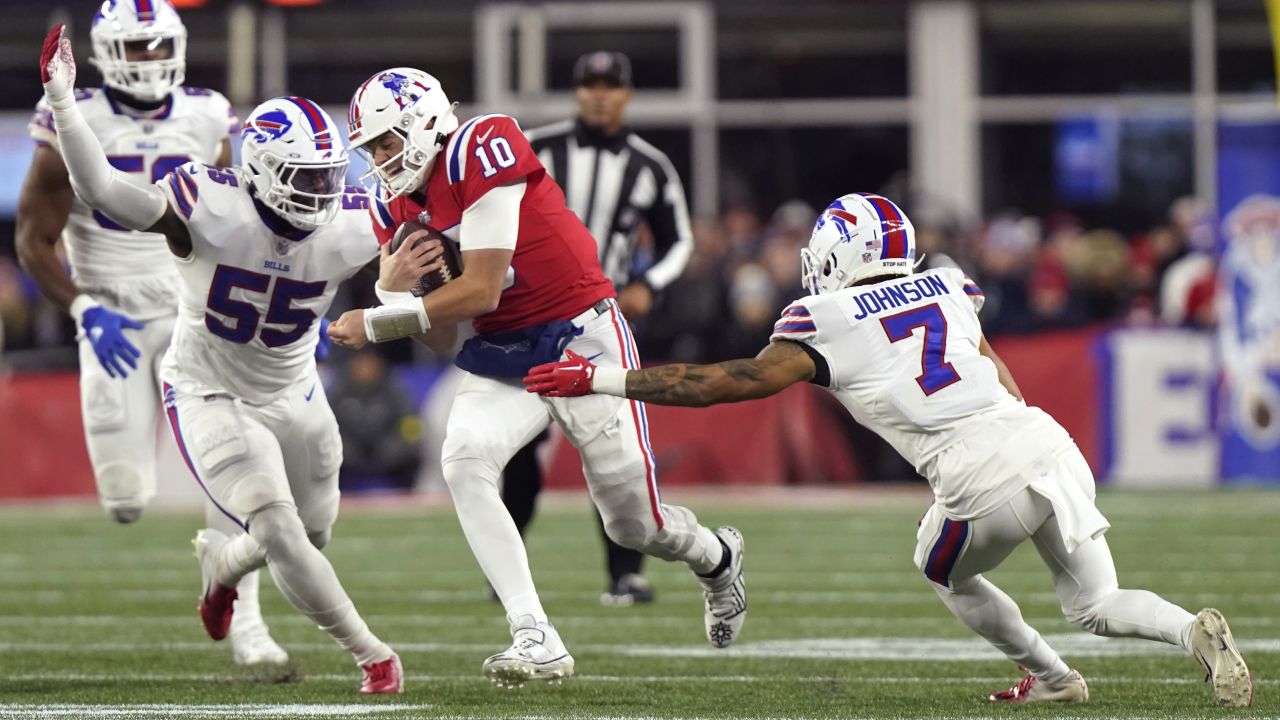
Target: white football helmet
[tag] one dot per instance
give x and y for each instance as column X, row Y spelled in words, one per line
column 411, row 104
column 295, row 160
column 121, row 26
column 858, row 236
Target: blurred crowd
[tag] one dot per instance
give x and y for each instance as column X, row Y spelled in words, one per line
column 1038, row 274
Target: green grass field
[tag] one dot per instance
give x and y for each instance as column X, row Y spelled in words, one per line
column 99, row 621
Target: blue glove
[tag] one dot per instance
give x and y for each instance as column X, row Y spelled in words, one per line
column 105, row 330
column 326, row 342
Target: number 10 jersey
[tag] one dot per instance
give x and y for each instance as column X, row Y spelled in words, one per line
column 902, row 356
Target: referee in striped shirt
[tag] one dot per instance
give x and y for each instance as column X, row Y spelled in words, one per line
column 615, row 182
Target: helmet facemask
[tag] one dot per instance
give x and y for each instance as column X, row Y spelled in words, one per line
column 149, row 80
column 305, row 194
column 403, row 172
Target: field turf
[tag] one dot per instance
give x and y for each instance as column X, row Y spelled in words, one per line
column 98, row 621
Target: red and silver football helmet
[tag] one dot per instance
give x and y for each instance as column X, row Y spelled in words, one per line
column 411, row 104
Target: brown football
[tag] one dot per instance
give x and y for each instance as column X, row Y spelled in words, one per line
column 435, row 279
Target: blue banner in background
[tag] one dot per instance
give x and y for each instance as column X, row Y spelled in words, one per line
column 1249, row 300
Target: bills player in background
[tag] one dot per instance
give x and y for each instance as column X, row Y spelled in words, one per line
column 531, row 284
column 123, row 288
column 905, row 354
column 260, row 251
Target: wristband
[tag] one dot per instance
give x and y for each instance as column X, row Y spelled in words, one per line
column 607, row 380
column 81, row 303
column 392, row 297
column 392, row 322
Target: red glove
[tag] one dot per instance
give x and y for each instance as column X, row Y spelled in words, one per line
column 568, row 378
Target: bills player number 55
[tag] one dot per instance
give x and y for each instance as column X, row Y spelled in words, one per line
column 245, row 318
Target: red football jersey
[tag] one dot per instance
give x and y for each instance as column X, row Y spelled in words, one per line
column 557, row 272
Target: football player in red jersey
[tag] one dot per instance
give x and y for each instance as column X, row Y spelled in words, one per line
column 532, row 287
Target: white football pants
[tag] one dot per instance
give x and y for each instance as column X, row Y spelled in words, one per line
column 123, row 425
column 954, row 553
column 494, row 417
column 273, row 470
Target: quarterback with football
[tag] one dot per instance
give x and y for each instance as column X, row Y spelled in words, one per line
column 259, row 250
column 905, row 354
column 531, row 285
column 123, row 288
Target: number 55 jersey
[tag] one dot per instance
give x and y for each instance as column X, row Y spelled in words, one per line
column 902, row 356
column 254, row 288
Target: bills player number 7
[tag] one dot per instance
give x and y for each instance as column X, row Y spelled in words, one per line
column 936, row 373
column 245, row 316
column 501, row 151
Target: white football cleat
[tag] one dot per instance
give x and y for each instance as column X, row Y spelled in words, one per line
column 726, row 594
column 536, row 653
column 251, row 643
column 1213, row 646
column 1073, row 689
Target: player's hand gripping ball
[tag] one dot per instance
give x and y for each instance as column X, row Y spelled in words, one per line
column 419, row 259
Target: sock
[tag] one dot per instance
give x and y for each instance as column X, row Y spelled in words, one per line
column 239, row 557
column 307, row 580
column 526, row 604
column 247, row 610
column 992, row 614
column 492, row 535
column 1143, row 614
column 726, row 558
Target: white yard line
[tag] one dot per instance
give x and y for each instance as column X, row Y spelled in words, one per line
column 748, row 679
column 604, row 619
column 834, row 598
column 1072, row 645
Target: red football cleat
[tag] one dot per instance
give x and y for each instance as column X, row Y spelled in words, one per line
column 1072, row 689
column 386, row 677
column 216, row 608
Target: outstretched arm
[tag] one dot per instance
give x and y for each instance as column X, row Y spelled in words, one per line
column 781, row 364
column 1002, row 370
column 96, row 182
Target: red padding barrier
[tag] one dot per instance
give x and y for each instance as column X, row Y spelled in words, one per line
column 792, row 438
column 42, row 452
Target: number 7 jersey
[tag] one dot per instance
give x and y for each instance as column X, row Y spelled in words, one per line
column 902, row 356
column 253, row 289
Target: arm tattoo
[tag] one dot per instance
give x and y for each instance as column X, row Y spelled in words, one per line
column 702, row 385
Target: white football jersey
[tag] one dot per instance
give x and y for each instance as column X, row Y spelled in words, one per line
column 253, row 289
column 902, row 356
column 132, row 271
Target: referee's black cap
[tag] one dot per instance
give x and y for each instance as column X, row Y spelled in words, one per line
column 603, row 65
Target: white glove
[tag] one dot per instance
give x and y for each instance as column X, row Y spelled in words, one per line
column 58, row 68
